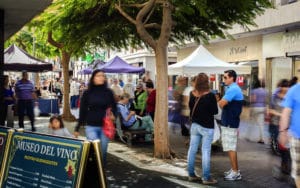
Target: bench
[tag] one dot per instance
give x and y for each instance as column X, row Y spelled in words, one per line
column 127, row 135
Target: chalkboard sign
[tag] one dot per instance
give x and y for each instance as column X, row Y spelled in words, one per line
column 3, row 138
column 36, row 160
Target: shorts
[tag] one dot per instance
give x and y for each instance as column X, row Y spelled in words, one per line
column 229, row 138
column 295, row 156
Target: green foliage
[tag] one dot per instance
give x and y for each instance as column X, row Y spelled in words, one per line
column 32, row 42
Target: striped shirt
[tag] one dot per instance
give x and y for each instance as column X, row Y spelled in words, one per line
column 24, row 90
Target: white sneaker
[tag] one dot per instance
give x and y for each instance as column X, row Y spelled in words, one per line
column 233, row 176
column 229, row 171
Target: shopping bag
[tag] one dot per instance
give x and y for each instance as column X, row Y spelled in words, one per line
column 108, row 128
column 217, row 132
column 36, row 109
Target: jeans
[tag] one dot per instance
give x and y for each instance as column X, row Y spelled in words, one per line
column 74, row 100
column 25, row 106
column 94, row 133
column 205, row 135
column 147, row 124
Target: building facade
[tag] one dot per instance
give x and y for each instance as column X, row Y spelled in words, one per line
column 272, row 48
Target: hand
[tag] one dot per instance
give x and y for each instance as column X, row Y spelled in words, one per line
column 132, row 113
column 76, row 134
column 112, row 117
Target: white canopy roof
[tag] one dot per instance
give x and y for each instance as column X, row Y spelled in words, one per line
column 201, row 60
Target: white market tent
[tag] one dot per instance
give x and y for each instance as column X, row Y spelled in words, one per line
column 201, row 60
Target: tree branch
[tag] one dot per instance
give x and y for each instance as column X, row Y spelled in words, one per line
column 53, row 42
column 149, row 15
column 153, row 25
column 166, row 27
column 123, row 13
column 137, row 5
column 145, row 36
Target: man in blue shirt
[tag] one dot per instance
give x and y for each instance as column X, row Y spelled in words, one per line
column 231, row 104
column 290, row 119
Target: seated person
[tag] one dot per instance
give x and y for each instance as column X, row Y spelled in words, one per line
column 131, row 120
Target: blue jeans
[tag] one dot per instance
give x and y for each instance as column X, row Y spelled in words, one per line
column 74, row 100
column 94, row 133
column 205, row 135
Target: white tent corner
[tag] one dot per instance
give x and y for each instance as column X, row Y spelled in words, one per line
column 201, row 60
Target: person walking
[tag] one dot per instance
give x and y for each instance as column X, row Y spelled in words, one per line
column 258, row 108
column 94, row 103
column 231, row 105
column 25, row 93
column 203, row 107
column 289, row 127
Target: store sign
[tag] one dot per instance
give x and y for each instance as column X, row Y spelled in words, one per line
column 238, row 50
column 42, row 161
column 291, row 41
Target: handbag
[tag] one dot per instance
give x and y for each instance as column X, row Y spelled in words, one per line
column 108, row 128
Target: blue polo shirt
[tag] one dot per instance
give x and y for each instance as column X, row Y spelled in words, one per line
column 292, row 101
column 231, row 112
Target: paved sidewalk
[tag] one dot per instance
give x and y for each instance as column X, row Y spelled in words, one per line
column 136, row 167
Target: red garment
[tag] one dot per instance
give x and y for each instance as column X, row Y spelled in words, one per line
column 150, row 107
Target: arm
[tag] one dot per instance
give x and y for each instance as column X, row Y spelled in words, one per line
column 222, row 103
column 283, row 126
column 144, row 102
column 126, row 115
column 285, row 119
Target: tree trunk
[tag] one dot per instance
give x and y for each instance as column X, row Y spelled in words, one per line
column 161, row 135
column 67, row 115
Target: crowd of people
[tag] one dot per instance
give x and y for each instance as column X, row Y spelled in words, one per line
column 198, row 109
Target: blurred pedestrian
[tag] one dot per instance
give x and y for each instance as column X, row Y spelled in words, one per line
column 258, row 98
column 25, row 93
column 74, row 93
column 231, row 104
column 276, row 112
column 129, row 88
column 116, row 88
column 203, row 106
column 9, row 99
column 289, row 122
column 150, row 104
column 185, row 111
column 94, row 103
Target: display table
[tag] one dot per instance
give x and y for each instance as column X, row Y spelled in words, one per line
column 48, row 106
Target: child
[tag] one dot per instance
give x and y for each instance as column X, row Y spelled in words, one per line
column 56, row 127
